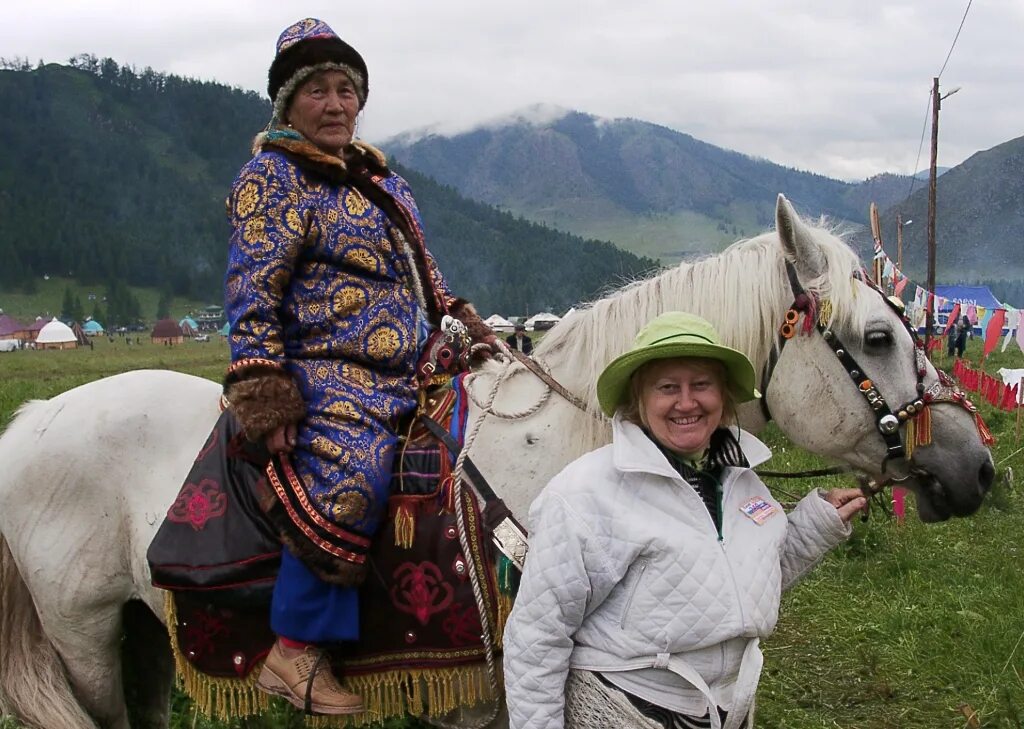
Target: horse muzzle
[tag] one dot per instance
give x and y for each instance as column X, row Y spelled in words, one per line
column 946, row 493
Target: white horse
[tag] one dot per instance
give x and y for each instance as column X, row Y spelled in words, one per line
column 88, row 475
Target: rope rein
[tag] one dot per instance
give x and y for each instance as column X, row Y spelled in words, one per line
column 474, row 577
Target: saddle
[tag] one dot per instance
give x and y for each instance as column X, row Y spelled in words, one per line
column 421, row 650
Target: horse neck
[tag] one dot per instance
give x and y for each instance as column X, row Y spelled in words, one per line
column 742, row 291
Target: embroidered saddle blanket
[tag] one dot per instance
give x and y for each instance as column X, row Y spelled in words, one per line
column 421, row 650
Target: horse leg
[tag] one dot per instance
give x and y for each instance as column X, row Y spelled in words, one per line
column 147, row 667
column 33, row 684
column 91, row 652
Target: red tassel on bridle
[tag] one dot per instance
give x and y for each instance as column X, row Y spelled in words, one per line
column 986, row 435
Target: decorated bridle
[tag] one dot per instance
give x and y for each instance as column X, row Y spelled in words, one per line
column 915, row 414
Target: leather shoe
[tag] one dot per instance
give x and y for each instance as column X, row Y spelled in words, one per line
column 306, row 681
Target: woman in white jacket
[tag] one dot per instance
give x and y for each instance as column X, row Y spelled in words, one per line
column 657, row 562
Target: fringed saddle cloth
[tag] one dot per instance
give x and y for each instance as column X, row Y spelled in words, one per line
column 421, row 651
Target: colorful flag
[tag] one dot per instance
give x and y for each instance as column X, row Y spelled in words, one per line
column 954, row 316
column 1012, row 324
column 994, row 330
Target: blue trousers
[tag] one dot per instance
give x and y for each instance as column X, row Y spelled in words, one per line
column 307, row 609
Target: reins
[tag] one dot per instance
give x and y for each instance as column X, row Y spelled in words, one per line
column 547, row 379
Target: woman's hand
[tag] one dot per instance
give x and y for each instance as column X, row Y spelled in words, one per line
column 281, row 440
column 847, row 502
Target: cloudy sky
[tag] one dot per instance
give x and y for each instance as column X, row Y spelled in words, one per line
column 839, row 88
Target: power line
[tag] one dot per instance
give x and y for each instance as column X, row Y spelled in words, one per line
column 955, row 39
column 928, row 106
column 924, row 128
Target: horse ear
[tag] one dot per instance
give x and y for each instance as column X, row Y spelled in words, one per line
column 797, row 241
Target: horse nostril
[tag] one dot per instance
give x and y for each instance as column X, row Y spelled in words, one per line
column 986, row 475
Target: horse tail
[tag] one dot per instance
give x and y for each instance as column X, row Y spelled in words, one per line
column 34, row 686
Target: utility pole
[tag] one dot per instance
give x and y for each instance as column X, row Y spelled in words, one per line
column 929, row 321
column 932, row 177
column 899, row 241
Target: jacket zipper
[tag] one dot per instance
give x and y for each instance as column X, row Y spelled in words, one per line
column 632, row 594
column 719, row 491
column 720, row 521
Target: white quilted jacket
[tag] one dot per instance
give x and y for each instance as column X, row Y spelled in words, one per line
column 626, row 572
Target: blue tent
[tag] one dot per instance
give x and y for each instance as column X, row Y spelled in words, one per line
column 225, row 330
column 190, row 321
column 965, row 296
column 92, row 327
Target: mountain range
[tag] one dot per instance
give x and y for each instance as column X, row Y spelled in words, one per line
column 663, row 193
column 979, row 218
column 645, row 187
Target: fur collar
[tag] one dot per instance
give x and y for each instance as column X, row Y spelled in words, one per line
column 356, row 157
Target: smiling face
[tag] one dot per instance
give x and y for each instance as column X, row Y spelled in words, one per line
column 324, row 110
column 682, row 402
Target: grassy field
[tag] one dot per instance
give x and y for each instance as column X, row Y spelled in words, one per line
column 907, row 625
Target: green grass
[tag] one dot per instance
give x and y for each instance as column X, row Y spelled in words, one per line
column 897, row 628
column 29, row 374
column 49, row 295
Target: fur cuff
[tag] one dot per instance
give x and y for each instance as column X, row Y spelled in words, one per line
column 264, row 403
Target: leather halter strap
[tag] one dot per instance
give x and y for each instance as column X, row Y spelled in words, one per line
column 886, row 422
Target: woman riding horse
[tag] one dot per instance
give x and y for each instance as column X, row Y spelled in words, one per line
column 331, row 295
column 657, row 562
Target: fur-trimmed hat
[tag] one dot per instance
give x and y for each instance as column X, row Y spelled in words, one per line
column 305, row 48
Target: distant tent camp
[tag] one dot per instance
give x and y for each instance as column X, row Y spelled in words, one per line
column 499, row 323
column 79, row 333
column 544, row 320
column 12, row 333
column 33, row 329
column 225, row 330
column 166, row 331
column 210, row 318
column 11, row 328
column 93, row 328
column 56, row 334
column 189, row 321
column 966, row 296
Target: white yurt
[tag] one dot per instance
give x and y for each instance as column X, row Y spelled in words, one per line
column 56, row 335
column 499, row 323
column 542, row 321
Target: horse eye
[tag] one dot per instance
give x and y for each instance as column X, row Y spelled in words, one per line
column 878, row 338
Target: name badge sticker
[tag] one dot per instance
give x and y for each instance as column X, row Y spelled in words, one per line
column 758, row 509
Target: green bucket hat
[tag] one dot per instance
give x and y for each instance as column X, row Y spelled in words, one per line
column 674, row 334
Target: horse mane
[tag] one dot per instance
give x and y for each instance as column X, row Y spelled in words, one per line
column 743, row 291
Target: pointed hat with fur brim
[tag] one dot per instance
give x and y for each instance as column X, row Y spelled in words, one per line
column 306, row 47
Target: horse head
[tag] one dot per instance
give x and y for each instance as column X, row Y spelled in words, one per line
column 832, row 383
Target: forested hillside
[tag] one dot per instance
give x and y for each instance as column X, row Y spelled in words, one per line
column 979, row 220
column 111, row 174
